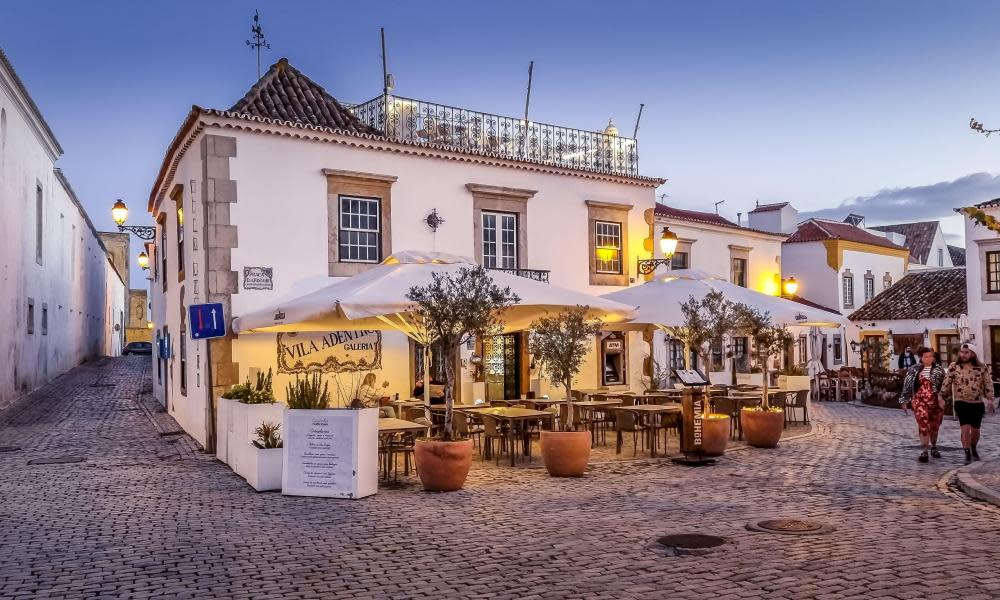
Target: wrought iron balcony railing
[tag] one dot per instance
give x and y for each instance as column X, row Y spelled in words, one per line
column 506, row 137
column 536, row 274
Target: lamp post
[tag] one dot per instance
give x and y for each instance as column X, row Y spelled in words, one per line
column 119, row 212
column 790, row 287
column 668, row 245
column 143, row 260
column 861, row 350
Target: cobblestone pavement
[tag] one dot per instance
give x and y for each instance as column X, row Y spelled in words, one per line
column 149, row 515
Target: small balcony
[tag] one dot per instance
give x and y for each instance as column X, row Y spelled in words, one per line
column 536, row 274
column 503, row 137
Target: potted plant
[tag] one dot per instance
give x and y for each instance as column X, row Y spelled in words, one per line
column 762, row 426
column 264, row 465
column 794, row 377
column 330, row 452
column 707, row 322
column 246, row 405
column 559, row 345
column 451, row 310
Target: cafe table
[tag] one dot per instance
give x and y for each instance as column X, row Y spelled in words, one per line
column 650, row 412
column 390, row 426
column 591, row 406
column 512, row 416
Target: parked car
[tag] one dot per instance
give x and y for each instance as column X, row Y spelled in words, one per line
column 138, row 348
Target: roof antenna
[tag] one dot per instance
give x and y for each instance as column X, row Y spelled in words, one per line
column 387, row 84
column 527, row 101
column 717, row 206
column 635, row 132
column 258, row 39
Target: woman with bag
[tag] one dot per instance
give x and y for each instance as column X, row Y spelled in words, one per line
column 971, row 388
column 922, row 390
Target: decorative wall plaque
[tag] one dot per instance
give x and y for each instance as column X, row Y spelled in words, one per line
column 258, row 278
column 333, row 352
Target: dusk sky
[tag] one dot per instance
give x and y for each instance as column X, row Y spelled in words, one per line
column 864, row 103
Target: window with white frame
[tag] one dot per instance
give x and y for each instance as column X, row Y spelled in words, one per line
column 848, row 284
column 869, row 286
column 993, row 272
column 608, row 247
column 499, row 240
column 359, row 230
column 940, row 257
column 39, row 224
column 838, row 349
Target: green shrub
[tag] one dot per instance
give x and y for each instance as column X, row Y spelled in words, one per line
column 267, row 435
column 308, row 392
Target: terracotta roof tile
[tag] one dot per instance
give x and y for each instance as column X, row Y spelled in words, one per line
column 989, row 203
column 769, row 207
column 697, row 216
column 919, row 237
column 923, row 294
column 815, row 230
column 957, row 255
column 285, row 94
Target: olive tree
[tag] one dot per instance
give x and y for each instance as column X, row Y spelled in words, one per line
column 453, row 309
column 768, row 338
column 706, row 322
column 559, row 343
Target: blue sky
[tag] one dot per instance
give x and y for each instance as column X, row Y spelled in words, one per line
column 819, row 104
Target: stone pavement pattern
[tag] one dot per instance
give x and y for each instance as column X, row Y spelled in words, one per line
column 149, row 516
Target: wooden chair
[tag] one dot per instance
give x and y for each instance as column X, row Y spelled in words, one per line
column 460, row 422
column 626, row 421
column 491, row 432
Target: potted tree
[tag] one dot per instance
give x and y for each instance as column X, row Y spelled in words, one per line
column 264, row 465
column 451, row 310
column 559, row 344
column 762, row 426
column 706, row 322
column 330, row 452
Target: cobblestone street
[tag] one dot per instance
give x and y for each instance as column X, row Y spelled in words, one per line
column 147, row 515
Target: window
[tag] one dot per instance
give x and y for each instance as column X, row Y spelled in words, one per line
column 608, row 247
column 993, row 272
column 741, row 355
column 39, row 225
column 803, row 352
column 869, row 287
column 739, row 272
column 162, row 221
column 886, row 281
column 31, row 316
column 940, row 257
column 716, row 349
column 848, row 291
column 180, row 238
column 947, row 345
column 675, row 355
column 45, row 318
column 499, row 240
column 183, row 349
column 681, row 260
column 838, row 349
column 359, row 230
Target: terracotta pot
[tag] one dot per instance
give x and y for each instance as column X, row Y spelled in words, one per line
column 714, row 434
column 762, row 429
column 443, row 466
column 565, row 453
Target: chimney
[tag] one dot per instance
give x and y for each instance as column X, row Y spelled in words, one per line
column 739, row 219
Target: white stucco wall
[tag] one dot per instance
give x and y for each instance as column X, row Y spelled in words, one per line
column 73, row 284
column 984, row 308
column 282, row 221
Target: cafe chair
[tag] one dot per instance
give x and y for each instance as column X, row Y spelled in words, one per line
column 386, row 412
column 461, row 424
column 626, row 421
column 491, row 433
column 798, row 400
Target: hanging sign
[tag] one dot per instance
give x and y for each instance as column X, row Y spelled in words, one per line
column 258, row 278
column 332, row 352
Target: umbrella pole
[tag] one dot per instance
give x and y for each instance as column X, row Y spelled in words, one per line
column 427, row 381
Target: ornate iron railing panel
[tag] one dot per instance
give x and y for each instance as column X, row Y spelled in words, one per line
column 506, row 137
column 536, row 274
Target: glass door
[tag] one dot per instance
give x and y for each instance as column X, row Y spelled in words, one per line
column 501, row 366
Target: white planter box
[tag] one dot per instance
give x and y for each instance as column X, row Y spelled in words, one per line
column 264, row 468
column 223, row 416
column 243, row 420
column 331, row 453
column 750, row 378
column 794, row 382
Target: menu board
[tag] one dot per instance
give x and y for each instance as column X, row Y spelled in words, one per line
column 319, row 456
column 690, row 377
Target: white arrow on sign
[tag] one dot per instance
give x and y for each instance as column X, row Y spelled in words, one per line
column 214, row 325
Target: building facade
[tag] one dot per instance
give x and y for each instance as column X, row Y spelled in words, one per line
column 62, row 299
column 982, row 263
column 924, row 239
column 289, row 190
column 138, row 328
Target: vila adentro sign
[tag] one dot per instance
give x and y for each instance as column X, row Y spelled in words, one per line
column 258, row 278
column 332, row 352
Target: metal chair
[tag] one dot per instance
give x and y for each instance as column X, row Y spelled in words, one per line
column 627, row 421
column 796, row 400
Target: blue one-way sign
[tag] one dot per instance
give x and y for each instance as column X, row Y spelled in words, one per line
column 207, row 321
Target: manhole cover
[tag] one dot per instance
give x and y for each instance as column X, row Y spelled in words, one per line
column 789, row 526
column 62, row 460
column 689, row 543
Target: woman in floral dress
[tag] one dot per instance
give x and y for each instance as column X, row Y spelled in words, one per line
column 922, row 391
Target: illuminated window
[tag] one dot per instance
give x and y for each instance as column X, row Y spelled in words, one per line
column 608, row 247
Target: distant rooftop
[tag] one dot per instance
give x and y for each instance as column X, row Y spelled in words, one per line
column 919, row 237
column 816, row 230
column 957, row 255
column 923, row 294
column 768, row 207
column 709, row 218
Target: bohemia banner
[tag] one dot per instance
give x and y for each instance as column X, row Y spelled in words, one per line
column 333, row 352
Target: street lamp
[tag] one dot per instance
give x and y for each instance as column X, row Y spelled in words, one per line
column 668, row 245
column 119, row 212
column 790, row 286
column 143, row 260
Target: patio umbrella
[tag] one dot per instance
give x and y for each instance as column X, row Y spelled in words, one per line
column 376, row 299
column 815, row 365
column 658, row 301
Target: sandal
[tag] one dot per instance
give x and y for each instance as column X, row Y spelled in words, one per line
column 923, row 457
column 935, row 453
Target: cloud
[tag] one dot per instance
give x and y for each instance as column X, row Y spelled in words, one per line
column 917, row 203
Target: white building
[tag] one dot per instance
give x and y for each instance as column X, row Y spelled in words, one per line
column 288, row 189
column 982, row 263
column 924, row 239
column 780, row 217
column 62, row 299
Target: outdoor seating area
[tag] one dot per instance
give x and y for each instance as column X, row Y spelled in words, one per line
column 842, row 385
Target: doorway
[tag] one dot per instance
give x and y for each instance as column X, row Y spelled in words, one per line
column 502, row 366
column 995, row 349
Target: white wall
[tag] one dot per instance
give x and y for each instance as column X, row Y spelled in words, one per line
column 72, row 283
column 984, row 309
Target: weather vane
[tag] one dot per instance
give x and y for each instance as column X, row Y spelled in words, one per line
column 258, row 39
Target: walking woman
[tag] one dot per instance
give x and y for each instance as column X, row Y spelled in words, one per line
column 922, row 390
column 968, row 381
